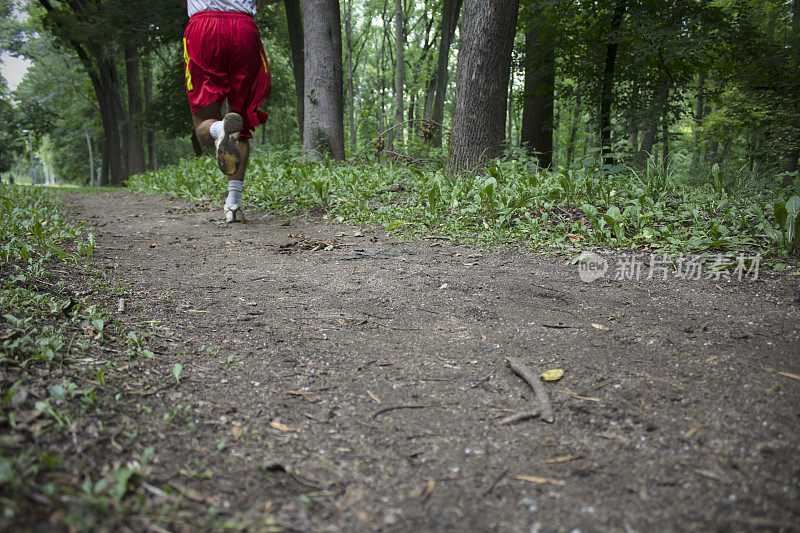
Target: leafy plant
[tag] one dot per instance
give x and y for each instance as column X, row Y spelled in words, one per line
column 787, row 214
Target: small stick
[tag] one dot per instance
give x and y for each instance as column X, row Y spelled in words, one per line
column 522, row 371
column 518, row 417
column 499, row 478
column 411, row 406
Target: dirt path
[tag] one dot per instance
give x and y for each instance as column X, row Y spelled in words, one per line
column 358, row 387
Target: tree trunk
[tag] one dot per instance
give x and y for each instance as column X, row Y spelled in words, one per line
column 664, row 143
column 450, row 12
column 379, row 70
column 324, row 118
column 537, row 111
column 105, row 164
column 656, row 112
column 91, row 156
column 135, row 145
column 399, row 71
column 294, row 22
column 574, row 129
column 607, row 86
column 109, row 112
column 150, row 134
column 484, row 64
column 793, row 152
column 348, row 35
column 698, row 122
column 510, row 109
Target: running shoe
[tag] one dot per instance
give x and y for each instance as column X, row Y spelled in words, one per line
column 233, row 213
column 228, row 157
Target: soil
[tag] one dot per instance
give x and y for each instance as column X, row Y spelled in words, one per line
column 337, row 379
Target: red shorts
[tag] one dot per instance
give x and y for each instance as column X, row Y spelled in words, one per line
column 225, row 59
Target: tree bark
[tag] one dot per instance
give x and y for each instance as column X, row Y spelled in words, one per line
column 537, row 111
column 793, row 153
column 574, row 129
column 91, row 155
column 135, row 146
column 698, row 122
column 484, row 64
column 656, row 113
column 110, row 110
column 324, row 118
column 450, row 13
column 294, row 22
column 348, row 35
column 150, row 134
column 607, row 86
column 399, row 71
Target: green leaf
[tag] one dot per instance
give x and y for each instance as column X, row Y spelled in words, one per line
column 781, row 213
column 614, row 213
column 177, row 368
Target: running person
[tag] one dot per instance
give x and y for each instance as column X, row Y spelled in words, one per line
column 225, row 60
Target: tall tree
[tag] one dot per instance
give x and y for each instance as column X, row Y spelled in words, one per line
column 400, row 69
column 324, row 118
column 482, row 74
column 294, row 22
column 69, row 24
column 348, row 37
column 451, row 10
column 539, row 92
column 150, row 134
column 607, row 85
column 136, row 161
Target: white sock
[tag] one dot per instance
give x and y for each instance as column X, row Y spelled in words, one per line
column 234, row 193
column 215, row 130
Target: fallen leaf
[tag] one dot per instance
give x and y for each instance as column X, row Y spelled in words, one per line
column 154, row 245
column 237, row 431
column 601, row 327
column 552, row 375
column 709, row 474
column 541, row 480
column 444, row 286
column 692, row 431
column 423, row 493
column 564, row 459
column 280, row 426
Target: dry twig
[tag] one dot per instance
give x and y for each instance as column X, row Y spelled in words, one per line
column 545, row 408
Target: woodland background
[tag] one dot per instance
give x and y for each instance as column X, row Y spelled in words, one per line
column 694, row 86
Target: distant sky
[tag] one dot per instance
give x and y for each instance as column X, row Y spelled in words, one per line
column 13, row 69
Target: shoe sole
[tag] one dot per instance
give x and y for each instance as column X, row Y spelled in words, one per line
column 228, row 157
column 234, row 215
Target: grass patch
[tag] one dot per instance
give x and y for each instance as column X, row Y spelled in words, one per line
column 75, row 447
column 515, row 201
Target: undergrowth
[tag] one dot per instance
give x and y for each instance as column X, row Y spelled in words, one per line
column 62, row 402
column 557, row 210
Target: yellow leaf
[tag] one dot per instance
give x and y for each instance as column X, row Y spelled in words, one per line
column 280, row 426
column 552, row 375
column 541, row 480
column 601, row 327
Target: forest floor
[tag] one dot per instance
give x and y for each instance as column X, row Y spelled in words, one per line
column 336, row 379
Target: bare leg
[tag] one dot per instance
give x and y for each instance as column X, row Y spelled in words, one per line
column 244, row 151
column 203, row 120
